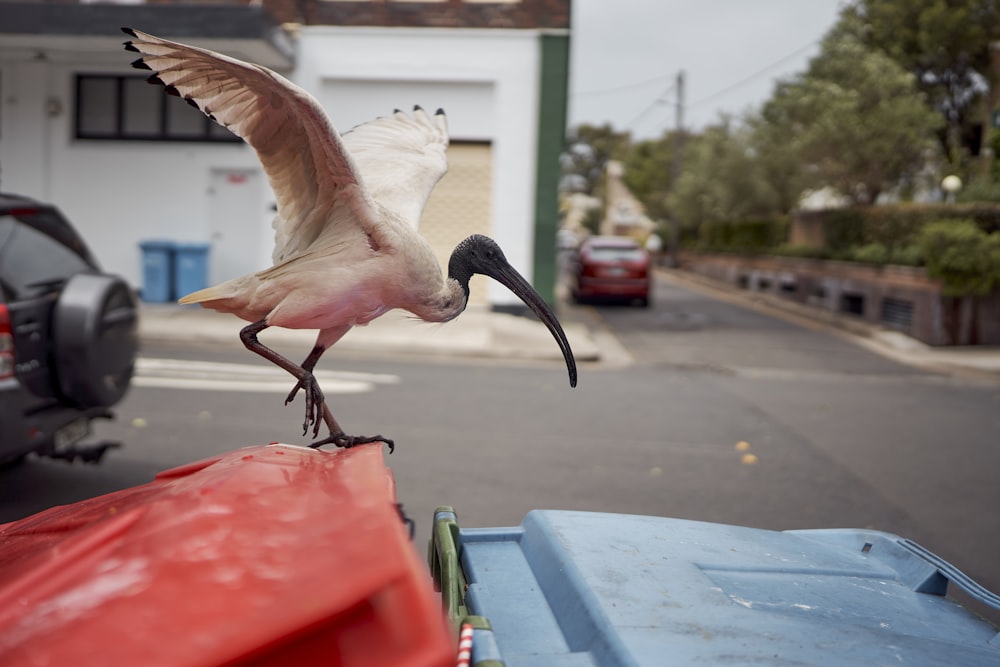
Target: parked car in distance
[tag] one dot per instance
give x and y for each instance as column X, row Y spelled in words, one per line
column 68, row 336
column 612, row 268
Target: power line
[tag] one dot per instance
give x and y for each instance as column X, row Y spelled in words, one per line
column 618, row 89
column 758, row 73
column 662, row 98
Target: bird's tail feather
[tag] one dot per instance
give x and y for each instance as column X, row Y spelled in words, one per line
column 207, row 294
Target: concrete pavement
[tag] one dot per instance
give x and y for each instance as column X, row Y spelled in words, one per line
column 478, row 332
column 482, row 333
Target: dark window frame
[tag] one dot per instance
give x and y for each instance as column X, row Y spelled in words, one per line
column 210, row 131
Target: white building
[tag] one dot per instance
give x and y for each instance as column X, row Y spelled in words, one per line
column 127, row 163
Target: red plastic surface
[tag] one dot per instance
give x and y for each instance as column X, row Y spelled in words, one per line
column 264, row 556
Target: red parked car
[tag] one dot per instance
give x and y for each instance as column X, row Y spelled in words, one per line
column 613, row 268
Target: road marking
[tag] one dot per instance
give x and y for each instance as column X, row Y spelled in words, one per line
column 221, row 376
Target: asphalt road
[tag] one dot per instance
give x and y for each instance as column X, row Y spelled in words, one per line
column 724, row 415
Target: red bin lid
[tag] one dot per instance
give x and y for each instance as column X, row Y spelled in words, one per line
column 266, row 555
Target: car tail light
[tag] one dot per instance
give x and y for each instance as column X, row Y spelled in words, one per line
column 6, row 345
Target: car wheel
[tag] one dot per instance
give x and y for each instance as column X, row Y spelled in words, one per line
column 8, row 464
column 644, row 302
column 95, row 330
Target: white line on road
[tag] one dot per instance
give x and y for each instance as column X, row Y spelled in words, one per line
column 221, row 376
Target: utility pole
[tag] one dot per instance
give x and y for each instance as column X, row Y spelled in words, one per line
column 675, row 169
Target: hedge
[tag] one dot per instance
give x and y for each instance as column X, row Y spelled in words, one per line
column 899, row 225
column 748, row 236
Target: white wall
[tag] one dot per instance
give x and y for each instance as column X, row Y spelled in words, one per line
column 117, row 193
column 120, row 193
column 485, row 80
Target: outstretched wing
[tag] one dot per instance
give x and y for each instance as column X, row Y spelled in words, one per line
column 303, row 155
column 401, row 158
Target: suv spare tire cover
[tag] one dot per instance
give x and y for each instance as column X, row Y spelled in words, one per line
column 95, row 330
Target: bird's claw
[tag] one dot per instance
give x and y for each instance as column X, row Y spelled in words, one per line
column 314, row 403
column 347, row 441
column 295, row 390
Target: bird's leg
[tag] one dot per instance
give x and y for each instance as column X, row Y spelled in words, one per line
column 340, row 439
column 315, row 401
column 308, row 365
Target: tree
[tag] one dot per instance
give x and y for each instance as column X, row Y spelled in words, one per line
column 721, row 181
column 855, row 117
column 778, row 158
column 647, row 174
column 945, row 44
column 588, row 149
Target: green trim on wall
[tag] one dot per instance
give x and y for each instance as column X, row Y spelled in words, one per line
column 553, row 93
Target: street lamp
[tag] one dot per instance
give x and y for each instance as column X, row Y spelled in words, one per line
column 951, row 184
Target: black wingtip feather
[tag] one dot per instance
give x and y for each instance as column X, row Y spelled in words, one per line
column 139, row 63
column 130, row 47
column 417, row 107
column 439, row 112
column 191, row 101
column 129, row 31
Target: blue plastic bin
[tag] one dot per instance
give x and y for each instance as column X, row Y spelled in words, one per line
column 190, row 268
column 157, row 270
column 581, row 589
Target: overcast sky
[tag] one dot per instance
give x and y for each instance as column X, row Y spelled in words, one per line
column 626, row 55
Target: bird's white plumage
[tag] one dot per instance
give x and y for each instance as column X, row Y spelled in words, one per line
column 401, row 158
column 328, row 188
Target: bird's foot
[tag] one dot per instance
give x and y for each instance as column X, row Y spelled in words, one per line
column 314, row 403
column 341, row 439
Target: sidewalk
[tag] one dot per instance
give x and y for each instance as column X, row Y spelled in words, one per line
column 478, row 332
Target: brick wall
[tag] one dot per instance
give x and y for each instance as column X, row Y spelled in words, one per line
column 896, row 297
column 511, row 14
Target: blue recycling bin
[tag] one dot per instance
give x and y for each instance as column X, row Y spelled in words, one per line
column 190, row 268
column 157, row 270
column 596, row 589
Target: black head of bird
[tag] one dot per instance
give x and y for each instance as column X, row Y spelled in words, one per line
column 481, row 254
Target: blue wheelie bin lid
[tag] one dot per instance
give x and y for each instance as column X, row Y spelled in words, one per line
column 157, row 244
column 582, row 589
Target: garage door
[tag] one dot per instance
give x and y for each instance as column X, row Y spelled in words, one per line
column 460, row 206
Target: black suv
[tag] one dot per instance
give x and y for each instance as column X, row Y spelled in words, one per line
column 68, row 336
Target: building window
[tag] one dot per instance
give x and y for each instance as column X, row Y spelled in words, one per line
column 127, row 108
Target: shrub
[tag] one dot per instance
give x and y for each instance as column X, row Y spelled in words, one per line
column 980, row 190
column 749, row 236
column 896, row 225
column 908, row 255
column 789, row 250
column 962, row 256
column 871, row 253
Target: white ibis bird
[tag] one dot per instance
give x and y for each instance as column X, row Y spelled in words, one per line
column 346, row 247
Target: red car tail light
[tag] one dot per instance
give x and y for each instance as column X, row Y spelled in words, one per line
column 6, row 345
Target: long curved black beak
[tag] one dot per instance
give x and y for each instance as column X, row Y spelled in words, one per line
column 515, row 282
column 486, row 258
